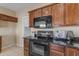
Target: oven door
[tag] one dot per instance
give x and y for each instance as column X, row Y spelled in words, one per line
column 38, row 49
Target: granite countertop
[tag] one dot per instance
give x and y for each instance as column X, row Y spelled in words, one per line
column 30, row 37
column 75, row 45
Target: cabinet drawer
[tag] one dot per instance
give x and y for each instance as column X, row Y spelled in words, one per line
column 26, row 52
column 56, row 53
column 57, row 47
column 26, row 44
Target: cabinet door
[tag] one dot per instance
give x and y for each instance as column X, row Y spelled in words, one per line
column 26, row 44
column 26, row 47
column 31, row 18
column 57, row 47
column 58, row 14
column 0, row 43
column 71, row 52
column 56, row 53
column 77, row 52
column 72, row 14
column 46, row 11
column 38, row 13
column 26, row 52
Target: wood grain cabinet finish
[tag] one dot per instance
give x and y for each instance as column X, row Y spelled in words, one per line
column 58, row 15
column 56, row 53
column 57, row 47
column 31, row 18
column 38, row 13
column 63, row 14
column 0, row 44
column 26, row 47
column 56, row 50
column 46, row 11
column 72, row 14
column 8, row 18
column 26, row 52
column 71, row 52
column 77, row 52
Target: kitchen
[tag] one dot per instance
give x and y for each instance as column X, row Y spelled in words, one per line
column 63, row 19
column 49, row 29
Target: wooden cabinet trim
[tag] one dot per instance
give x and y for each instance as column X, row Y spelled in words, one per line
column 43, row 7
column 8, row 18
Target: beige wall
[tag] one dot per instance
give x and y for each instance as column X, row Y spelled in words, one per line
column 8, row 33
column 7, row 29
column 75, row 29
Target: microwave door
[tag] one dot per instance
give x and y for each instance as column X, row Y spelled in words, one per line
column 37, row 24
column 42, row 24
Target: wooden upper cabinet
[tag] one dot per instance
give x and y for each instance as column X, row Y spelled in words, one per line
column 62, row 14
column 72, row 14
column 31, row 18
column 58, row 14
column 38, row 13
column 46, row 11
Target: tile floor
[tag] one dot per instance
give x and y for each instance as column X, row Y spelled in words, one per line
column 12, row 51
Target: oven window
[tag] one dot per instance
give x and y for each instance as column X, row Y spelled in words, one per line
column 37, row 48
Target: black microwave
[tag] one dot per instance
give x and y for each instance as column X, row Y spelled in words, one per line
column 43, row 22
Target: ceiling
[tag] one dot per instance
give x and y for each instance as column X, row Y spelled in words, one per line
column 20, row 6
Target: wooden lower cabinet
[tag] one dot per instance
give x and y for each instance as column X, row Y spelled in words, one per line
column 26, row 47
column 71, row 52
column 0, row 43
column 26, row 52
column 58, row 50
column 55, row 49
column 56, row 53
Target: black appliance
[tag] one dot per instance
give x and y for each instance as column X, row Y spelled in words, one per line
column 44, row 35
column 43, row 22
column 38, row 48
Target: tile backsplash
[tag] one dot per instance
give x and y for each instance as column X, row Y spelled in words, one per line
column 75, row 29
